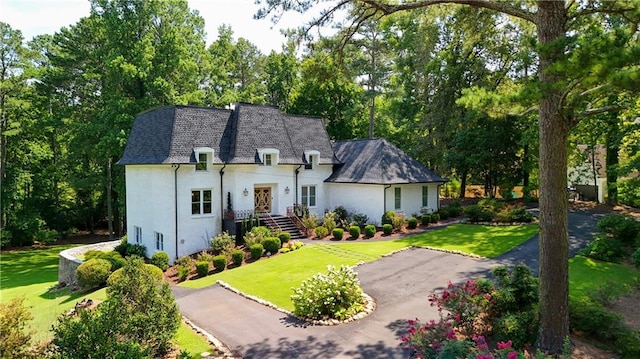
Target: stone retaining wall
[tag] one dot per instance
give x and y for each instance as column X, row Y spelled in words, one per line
column 69, row 262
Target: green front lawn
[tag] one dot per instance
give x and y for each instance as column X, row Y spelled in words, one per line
column 32, row 272
column 272, row 279
column 587, row 275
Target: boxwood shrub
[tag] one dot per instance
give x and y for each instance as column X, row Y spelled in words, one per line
column 219, row 262
column 321, row 232
column 370, row 230
column 160, row 260
column 202, row 267
column 237, row 256
column 256, row 251
column 387, row 229
column 412, row 223
column 425, row 219
column 354, row 231
column 284, row 237
column 183, row 272
column 435, row 217
column 93, row 273
column 338, row 233
column 271, row 244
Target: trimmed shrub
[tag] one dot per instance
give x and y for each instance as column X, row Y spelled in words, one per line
column 341, row 213
column 202, row 268
column 113, row 257
column 621, row 227
column 475, row 213
column 321, row 232
column 425, row 219
column 184, row 261
column 222, row 243
column 93, row 273
column 261, row 231
column 444, row 213
column 285, row 250
column 256, row 251
column 336, row 294
column 219, row 262
column 204, row 256
column 354, row 231
column 183, row 272
column 604, row 248
column 338, row 233
column 237, row 257
column 284, row 237
column 160, row 260
column 272, row 244
column 387, row 229
column 151, row 270
column 412, row 223
column 387, row 218
column 520, row 215
column 329, row 221
column 370, row 230
column 435, row 217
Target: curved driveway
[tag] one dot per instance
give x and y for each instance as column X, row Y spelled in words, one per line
column 399, row 283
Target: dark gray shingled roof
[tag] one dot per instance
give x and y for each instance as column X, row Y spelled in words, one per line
column 376, row 161
column 170, row 134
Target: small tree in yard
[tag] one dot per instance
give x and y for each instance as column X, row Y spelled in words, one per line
column 14, row 341
column 138, row 319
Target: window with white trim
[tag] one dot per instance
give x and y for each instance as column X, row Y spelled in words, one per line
column 268, row 159
column 425, row 196
column 201, row 201
column 313, row 159
column 159, row 241
column 202, row 162
column 398, row 198
column 309, row 196
column 137, row 234
column 269, row 156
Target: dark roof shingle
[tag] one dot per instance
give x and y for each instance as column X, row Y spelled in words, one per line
column 376, row 161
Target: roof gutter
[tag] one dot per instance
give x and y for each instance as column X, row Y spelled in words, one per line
column 222, row 197
column 295, row 203
column 385, row 197
column 175, row 202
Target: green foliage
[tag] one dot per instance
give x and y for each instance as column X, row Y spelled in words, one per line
column 340, row 214
column 184, row 261
column 620, row 227
column 310, row 221
column 354, row 231
column 202, row 268
column 183, row 272
column 223, row 242
column 435, row 217
column 272, row 244
column 127, row 249
column 138, row 319
column 321, row 232
column 160, row 260
column 476, row 213
column 604, row 248
column 151, row 270
column 47, row 236
column 15, row 339
column 219, row 262
column 360, row 219
column 387, row 229
column 444, row 213
column 370, row 230
column 338, row 233
column 520, row 215
column 256, row 236
column 237, row 256
column 93, row 273
column 284, row 237
column 113, row 257
column 412, row 223
column 329, row 221
column 635, row 258
column 336, row 294
column 387, row 217
column 629, row 192
column 256, row 251
column 425, row 219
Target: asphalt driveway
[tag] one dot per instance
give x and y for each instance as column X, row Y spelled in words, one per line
column 399, row 283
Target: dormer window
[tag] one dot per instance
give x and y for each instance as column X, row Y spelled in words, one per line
column 269, row 156
column 312, row 158
column 204, row 158
column 202, row 162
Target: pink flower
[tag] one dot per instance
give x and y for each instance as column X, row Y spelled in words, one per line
column 512, row 355
column 485, row 356
column 503, row 345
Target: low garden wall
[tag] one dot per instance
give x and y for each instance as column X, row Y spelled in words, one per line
column 68, row 260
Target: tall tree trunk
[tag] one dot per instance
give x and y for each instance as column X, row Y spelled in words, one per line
column 554, row 131
column 463, row 184
column 612, row 144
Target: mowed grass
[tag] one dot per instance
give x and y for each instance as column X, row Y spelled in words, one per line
column 587, row 275
column 484, row 241
column 32, row 273
column 272, row 279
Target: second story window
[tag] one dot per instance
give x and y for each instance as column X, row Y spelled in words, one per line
column 202, row 162
column 201, row 201
column 267, row 159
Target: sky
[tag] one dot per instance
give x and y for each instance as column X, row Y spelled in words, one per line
column 36, row 17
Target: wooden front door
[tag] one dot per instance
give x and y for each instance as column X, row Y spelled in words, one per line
column 262, row 199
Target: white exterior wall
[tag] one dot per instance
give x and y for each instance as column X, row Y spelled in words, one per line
column 276, row 177
column 150, row 206
column 411, row 198
column 362, row 198
column 316, row 177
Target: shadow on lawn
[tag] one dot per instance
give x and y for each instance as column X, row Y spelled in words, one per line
column 66, row 292
column 30, row 266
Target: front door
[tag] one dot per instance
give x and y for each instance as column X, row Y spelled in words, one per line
column 262, row 199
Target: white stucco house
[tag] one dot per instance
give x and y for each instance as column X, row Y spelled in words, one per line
column 189, row 168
